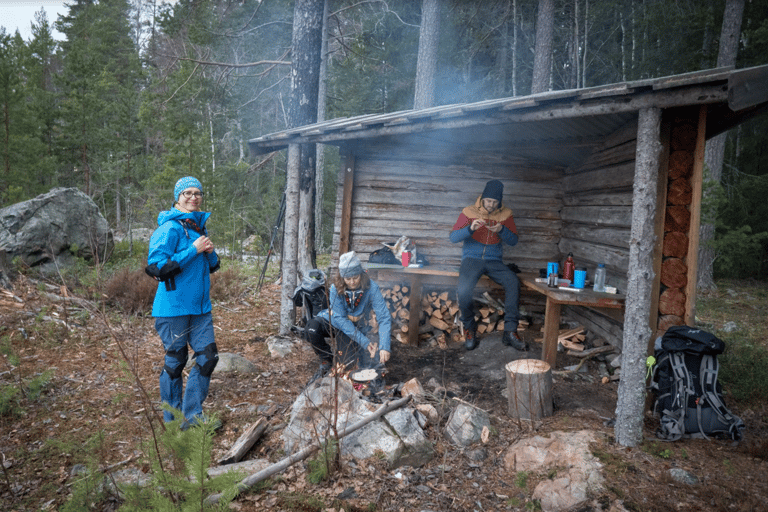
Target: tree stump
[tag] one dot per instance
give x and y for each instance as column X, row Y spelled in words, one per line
column 529, row 389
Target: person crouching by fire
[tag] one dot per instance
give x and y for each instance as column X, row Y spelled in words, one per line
column 351, row 301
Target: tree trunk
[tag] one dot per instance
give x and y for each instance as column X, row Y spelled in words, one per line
column 715, row 150
column 290, row 239
column 637, row 331
column 305, row 76
column 514, row 47
column 320, row 152
column 426, row 65
column 542, row 60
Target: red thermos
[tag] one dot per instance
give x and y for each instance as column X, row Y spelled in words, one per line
column 569, row 267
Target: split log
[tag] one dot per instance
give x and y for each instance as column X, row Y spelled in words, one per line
column 675, row 244
column 245, row 442
column 680, row 192
column 439, row 323
column 672, row 302
column 674, row 273
column 529, row 389
column 265, row 473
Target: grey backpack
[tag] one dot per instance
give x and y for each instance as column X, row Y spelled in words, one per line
column 688, row 396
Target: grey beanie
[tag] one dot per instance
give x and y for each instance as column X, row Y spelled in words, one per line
column 350, row 265
column 494, row 189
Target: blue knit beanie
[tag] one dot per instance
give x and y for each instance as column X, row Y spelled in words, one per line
column 185, row 183
column 494, row 189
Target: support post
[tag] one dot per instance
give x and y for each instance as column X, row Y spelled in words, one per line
column 637, row 331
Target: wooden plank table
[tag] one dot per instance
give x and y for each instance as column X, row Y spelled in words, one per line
column 556, row 297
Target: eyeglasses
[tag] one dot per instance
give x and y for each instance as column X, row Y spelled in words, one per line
column 189, row 194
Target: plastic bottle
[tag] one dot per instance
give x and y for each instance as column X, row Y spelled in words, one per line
column 568, row 267
column 599, row 285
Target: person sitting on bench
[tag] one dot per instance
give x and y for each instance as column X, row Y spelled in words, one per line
column 482, row 227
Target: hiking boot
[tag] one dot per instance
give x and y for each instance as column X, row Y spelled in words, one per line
column 470, row 339
column 512, row 339
column 325, row 367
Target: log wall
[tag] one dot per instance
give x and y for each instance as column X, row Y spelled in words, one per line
column 423, row 199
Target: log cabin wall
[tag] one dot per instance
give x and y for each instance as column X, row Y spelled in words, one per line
column 398, row 194
column 596, row 222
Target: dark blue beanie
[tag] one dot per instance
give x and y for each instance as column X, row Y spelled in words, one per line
column 494, row 189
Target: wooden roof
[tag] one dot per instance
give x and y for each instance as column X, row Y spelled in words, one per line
column 553, row 128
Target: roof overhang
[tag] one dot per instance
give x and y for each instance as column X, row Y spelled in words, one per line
column 552, row 128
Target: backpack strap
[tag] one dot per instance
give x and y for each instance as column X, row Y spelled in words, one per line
column 708, row 376
column 673, row 420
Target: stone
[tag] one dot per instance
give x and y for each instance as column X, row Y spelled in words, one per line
column 279, row 346
column 54, row 228
column 233, row 363
column 413, row 387
column 730, row 327
column 465, row 425
column 578, row 471
column 683, row 476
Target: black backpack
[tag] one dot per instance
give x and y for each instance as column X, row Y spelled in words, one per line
column 311, row 294
column 688, row 396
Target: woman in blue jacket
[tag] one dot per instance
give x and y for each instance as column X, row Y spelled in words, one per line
column 182, row 257
column 352, row 300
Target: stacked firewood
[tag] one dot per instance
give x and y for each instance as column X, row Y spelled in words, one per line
column 439, row 320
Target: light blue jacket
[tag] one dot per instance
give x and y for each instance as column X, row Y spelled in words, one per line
column 358, row 331
column 184, row 275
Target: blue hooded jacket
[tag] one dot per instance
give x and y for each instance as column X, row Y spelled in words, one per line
column 184, row 275
column 339, row 314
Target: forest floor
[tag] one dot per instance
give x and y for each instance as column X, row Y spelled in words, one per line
column 92, row 406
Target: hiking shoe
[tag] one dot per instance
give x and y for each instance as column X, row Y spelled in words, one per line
column 470, row 339
column 325, row 368
column 215, row 423
column 512, row 339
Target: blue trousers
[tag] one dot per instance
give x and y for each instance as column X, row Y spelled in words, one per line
column 176, row 333
column 470, row 271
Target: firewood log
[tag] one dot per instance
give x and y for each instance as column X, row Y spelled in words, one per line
column 443, row 296
column 679, row 192
column 680, row 164
column 678, row 218
column 439, row 323
column 675, row 244
column 683, row 137
column 404, row 289
column 674, row 273
column 667, row 321
column 672, row 302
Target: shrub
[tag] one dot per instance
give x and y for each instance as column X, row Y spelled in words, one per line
column 131, row 290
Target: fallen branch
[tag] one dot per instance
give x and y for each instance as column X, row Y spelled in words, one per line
column 265, row 473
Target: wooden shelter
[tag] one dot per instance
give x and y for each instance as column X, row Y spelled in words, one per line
column 599, row 172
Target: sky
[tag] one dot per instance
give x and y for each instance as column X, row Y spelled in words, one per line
column 21, row 13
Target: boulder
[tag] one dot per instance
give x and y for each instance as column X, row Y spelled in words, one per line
column 397, row 435
column 232, row 363
column 52, row 228
column 569, row 453
column 465, row 425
